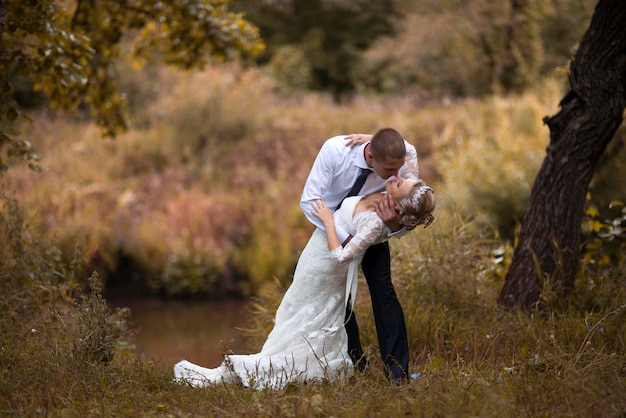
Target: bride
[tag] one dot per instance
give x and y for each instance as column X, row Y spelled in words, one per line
column 308, row 341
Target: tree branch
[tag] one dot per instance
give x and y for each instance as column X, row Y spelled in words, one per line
column 79, row 3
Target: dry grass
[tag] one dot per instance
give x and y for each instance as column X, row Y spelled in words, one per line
column 65, row 355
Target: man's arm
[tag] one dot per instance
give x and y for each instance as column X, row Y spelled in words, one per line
column 318, row 182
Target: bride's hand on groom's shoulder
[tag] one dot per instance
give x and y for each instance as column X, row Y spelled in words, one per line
column 353, row 140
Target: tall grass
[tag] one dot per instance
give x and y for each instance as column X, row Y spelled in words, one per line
column 200, row 197
column 489, row 157
column 58, row 346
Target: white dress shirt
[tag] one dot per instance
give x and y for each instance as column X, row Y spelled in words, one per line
column 334, row 171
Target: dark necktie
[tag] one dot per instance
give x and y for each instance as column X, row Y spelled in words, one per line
column 358, row 183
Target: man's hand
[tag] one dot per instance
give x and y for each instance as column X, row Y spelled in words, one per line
column 386, row 210
column 353, row 140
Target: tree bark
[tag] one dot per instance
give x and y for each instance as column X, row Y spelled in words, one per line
column 4, row 10
column 590, row 114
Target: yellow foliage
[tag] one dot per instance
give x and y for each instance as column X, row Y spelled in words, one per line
column 594, row 225
column 592, row 211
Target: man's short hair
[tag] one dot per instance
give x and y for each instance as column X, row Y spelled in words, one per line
column 387, row 143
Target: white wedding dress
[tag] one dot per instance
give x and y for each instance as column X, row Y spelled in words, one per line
column 308, row 341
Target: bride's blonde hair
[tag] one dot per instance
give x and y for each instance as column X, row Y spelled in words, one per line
column 417, row 206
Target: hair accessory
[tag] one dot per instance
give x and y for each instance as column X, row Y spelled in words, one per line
column 415, row 200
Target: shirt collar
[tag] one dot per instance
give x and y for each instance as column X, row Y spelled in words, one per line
column 359, row 160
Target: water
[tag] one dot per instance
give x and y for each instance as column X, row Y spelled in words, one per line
column 198, row 331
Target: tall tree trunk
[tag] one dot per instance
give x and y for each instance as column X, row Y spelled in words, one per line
column 4, row 10
column 590, row 114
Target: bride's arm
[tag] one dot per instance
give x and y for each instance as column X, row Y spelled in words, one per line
column 368, row 232
column 353, row 140
column 326, row 216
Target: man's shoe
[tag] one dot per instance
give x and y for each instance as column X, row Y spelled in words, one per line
column 361, row 363
column 399, row 381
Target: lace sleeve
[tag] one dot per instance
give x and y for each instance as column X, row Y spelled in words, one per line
column 410, row 170
column 370, row 229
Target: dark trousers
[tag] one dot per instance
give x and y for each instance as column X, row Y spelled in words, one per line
column 388, row 315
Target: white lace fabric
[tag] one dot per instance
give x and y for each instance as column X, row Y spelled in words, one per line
column 367, row 229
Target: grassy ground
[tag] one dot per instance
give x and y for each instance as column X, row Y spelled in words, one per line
column 64, row 355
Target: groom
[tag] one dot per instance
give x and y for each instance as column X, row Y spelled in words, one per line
column 339, row 171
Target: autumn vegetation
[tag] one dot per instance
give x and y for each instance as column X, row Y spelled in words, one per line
column 199, row 198
column 180, row 229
